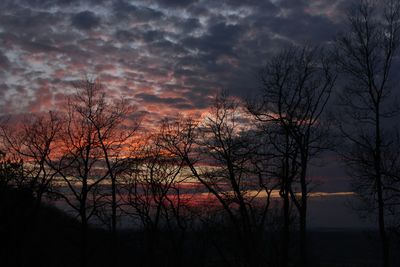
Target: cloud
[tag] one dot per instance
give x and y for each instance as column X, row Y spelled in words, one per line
column 128, row 11
column 4, row 62
column 164, row 55
column 175, row 3
column 154, row 99
column 85, row 20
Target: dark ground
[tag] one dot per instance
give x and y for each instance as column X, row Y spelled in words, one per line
column 51, row 238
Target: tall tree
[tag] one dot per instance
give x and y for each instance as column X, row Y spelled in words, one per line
column 219, row 153
column 79, row 162
column 296, row 86
column 366, row 54
column 114, row 133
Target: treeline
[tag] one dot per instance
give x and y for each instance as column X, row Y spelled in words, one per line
column 94, row 155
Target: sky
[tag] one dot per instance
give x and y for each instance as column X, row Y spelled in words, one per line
column 167, row 56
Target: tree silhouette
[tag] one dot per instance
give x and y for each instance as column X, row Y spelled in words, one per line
column 34, row 141
column 109, row 120
column 296, row 86
column 366, row 55
column 80, row 160
column 11, row 173
column 151, row 193
column 226, row 142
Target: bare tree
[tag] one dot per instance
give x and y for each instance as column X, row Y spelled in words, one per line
column 34, row 140
column 151, row 192
column 296, row 86
column 114, row 134
column 283, row 169
column 79, row 162
column 366, row 54
column 11, row 173
column 149, row 183
column 84, row 150
column 219, row 153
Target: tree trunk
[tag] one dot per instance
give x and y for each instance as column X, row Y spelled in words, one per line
column 113, row 207
column 286, row 212
column 286, row 230
column 84, row 222
column 303, row 213
column 381, row 220
column 381, row 213
column 84, row 238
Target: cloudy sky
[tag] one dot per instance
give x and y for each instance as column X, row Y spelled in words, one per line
column 168, row 56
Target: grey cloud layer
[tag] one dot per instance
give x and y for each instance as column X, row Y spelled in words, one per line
column 172, row 53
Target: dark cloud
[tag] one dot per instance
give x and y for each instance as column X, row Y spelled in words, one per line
column 151, row 98
column 175, row 3
column 189, row 24
column 124, row 36
column 4, row 62
column 24, row 21
column 126, row 10
column 183, row 50
column 85, row 20
column 124, row 7
column 303, row 28
column 221, row 38
column 39, row 47
column 48, row 3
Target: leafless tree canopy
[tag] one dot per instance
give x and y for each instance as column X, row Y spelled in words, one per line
column 366, row 54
